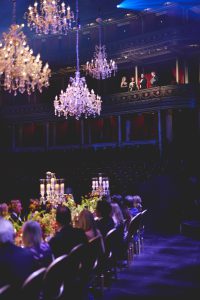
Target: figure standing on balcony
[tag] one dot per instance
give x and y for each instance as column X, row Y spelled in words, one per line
column 124, row 84
column 132, row 85
column 143, row 82
column 154, row 79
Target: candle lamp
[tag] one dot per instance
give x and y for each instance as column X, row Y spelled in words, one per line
column 52, row 189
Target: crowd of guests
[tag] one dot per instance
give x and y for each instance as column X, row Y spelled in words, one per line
column 142, row 82
column 16, row 262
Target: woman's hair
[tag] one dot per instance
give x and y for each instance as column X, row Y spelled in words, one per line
column 32, row 234
column 117, row 214
column 6, row 231
column 86, row 221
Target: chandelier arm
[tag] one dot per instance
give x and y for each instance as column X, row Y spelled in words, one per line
column 77, row 38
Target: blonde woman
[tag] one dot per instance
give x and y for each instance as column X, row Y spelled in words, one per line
column 87, row 223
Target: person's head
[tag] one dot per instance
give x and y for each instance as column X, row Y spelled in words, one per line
column 63, row 215
column 129, row 201
column 7, row 232
column 117, row 214
column 103, row 209
column 124, row 78
column 142, row 75
column 153, row 74
column 16, row 206
column 132, row 79
column 137, row 201
column 117, row 199
column 86, row 220
column 32, row 234
column 3, row 210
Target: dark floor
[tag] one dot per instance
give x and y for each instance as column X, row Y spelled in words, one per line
column 168, row 267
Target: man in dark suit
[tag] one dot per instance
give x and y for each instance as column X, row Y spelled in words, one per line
column 16, row 263
column 15, row 213
column 67, row 237
column 143, row 82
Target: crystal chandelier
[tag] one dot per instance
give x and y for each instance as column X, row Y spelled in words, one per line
column 20, row 70
column 100, row 67
column 77, row 100
column 49, row 17
column 52, row 190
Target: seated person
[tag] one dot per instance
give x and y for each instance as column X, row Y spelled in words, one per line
column 154, row 79
column 135, row 205
column 143, row 82
column 32, row 239
column 4, row 210
column 117, row 215
column 67, row 237
column 103, row 212
column 16, row 263
column 16, row 212
column 87, row 223
column 132, row 85
column 124, row 84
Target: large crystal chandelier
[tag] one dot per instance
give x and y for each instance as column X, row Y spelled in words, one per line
column 100, row 67
column 49, row 17
column 20, row 70
column 77, row 100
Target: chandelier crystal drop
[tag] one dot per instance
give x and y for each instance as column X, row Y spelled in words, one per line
column 49, row 17
column 20, row 70
column 100, row 67
column 77, row 101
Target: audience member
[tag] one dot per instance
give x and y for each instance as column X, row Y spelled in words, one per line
column 32, row 239
column 117, row 215
column 105, row 222
column 124, row 84
column 143, row 82
column 67, row 237
column 154, row 79
column 133, row 85
column 16, row 212
column 87, row 223
column 3, row 210
column 16, row 263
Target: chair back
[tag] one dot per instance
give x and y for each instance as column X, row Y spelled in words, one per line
column 5, row 292
column 95, row 253
column 32, row 286
column 134, row 226
column 54, row 278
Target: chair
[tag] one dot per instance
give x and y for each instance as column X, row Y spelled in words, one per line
column 141, row 229
column 95, row 262
column 5, row 292
column 53, row 281
column 32, row 286
column 76, row 273
column 111, row 253
column 133, row 237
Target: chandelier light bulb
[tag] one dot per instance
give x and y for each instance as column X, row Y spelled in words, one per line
column 49, row 17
